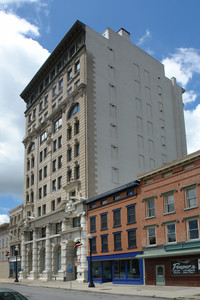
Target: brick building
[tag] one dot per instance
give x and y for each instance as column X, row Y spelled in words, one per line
column 112, row 219
column 4, row 249
column 169, row 214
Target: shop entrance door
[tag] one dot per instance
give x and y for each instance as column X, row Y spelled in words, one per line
column 160, row 275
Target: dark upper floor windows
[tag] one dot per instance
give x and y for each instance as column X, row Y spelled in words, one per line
column 73, row 110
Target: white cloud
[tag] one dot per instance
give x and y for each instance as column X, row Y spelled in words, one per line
column 189, row 97
column 20, row 57
column 182, row 65
column 144, row 37
column 192, row 122
column 4, row 219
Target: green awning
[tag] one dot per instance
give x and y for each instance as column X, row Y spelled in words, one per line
column 162, row 253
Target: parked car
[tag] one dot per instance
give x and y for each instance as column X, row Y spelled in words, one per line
column 9, row 294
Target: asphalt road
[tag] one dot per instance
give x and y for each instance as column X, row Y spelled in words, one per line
column 43, row 293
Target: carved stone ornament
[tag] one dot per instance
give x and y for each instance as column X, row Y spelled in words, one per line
column 26, row 224
column 70, row 207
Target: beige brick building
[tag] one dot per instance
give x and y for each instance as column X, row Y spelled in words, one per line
column 99, row 111
column 4, row 249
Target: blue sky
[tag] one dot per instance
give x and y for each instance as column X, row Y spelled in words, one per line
column 31, row 29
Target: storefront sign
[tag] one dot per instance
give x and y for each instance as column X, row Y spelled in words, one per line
column 184, row 267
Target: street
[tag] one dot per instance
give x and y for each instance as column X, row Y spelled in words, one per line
column 41, row 293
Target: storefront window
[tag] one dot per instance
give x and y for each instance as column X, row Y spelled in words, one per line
column 119, row 269
column 107, row 270
column 96, row 269
column 133, row 270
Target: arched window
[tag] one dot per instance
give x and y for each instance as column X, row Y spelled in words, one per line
column 31, row 148
column 73, row 110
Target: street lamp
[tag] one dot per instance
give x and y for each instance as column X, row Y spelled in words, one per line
column 91, row 283
column 16, row 253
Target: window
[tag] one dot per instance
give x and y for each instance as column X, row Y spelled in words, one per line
column 73, row 110
column 77, row 172
column 53, row 73
column 40, row 174
column 46, row 100
column 193, row 229
column 32, row 179
column 77, row 66
column 76, row 127
column 40, row 193
column 58, row 227
column 104, row 224
column 169, row 203
column 43, row 137
column 104, row 243
column 45, row 171
column 69, row 91
column 44, row 190
column 191, row 197
column 132, row 238
column 54, row 91
column 32, row 162
column 69, row 74
column 45, row 153
column 69, row 175
column 117, row 218
column 76, row 150
column 170, row 233
column 103, row 202
column 58, row 200
column 150, row 209
column 117, row 241
column 131, row 214
column 60, row 162
column 34, row 112
column 77, row 83
column 59, row 142
column 93, row 245
column 69, row 133
column 116, row 197
column 54, row 165
column 131, row 193
column 76, row 222
column 31, row 148
column 60, row 84
column 54, row 145
column 41, row 155
column 53, row 185
column 44, row 209
column 28, row 165
column 59, row 182
column 92, row 224
column 41, row 105
column 43, row 232
column 32, row 197
column 69, row 154
column 53, row 205
column 58, row 124
column 151, row 236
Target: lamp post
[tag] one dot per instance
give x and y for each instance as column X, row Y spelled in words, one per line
column 91, row 283
column 16, row 253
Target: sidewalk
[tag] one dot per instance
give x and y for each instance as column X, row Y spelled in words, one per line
column 170, row 292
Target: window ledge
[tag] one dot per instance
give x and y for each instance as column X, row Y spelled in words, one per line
column 151, row 246
column 147, row 218
column 102, row 229
column 133, row 222
column 169, row 213
column 189, row 208
column 132, row 247
column 117, row 249
column 117, row 226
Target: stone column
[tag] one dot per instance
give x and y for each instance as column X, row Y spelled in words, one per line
column 62, row 272
column 34, row 272
column 48, row 272
column 82, row 267
column 23, row 272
